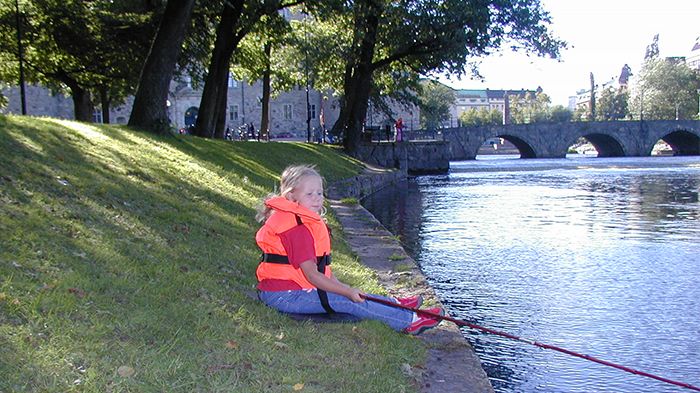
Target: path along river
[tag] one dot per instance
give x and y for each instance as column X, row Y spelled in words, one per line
column 597, row 255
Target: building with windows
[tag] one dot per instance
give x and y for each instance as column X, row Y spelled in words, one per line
column 693, row 58
column 470, row 99
column 288, row 110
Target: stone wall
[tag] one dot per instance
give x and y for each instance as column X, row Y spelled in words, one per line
column 415, row 157
column 370, row 181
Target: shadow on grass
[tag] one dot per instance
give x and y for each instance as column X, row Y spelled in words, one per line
column 122, row 245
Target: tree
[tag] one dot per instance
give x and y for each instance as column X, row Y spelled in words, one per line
column 410, row 37
column 529, row 108
column 435, row 101
column 481, row 117
column 268, row 53
column 665, row 89
column 560, row 114
column 238, row 18
column 86, row 48
column 150, row 110
column 612, row 104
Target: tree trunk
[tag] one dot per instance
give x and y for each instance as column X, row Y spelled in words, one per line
column 212, row 107
column 105, row 102
column 265, row 116
column 358, row 75
column 149, row 111
column 82, row 102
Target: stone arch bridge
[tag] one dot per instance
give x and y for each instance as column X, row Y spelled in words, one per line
column 610, row 138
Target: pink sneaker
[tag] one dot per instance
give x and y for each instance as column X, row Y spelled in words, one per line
column 425, row 321
column 411, row 301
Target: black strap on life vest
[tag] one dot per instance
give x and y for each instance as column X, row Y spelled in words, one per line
column 282, row 259
column 321, row 263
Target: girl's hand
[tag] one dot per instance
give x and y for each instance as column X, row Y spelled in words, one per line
column 356, row 295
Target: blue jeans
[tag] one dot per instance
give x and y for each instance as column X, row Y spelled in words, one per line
column 307, row 302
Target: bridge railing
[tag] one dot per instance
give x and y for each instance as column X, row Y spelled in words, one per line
column 423, row 135
column 376, row 134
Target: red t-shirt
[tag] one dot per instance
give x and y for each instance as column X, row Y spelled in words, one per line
column 299, row 245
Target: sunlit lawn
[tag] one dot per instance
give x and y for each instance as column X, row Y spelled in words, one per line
column 127, row 265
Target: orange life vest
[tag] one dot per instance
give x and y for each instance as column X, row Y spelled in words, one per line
column 286, row 215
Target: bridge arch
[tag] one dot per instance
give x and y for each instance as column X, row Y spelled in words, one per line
column 606, row 145
column 526, row 151
column 682, row 142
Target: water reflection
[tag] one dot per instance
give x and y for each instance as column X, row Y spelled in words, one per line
column 597, row 256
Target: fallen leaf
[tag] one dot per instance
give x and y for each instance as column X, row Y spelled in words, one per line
column 77, row 292
column 298, row 387
column 280, row 336
column 230, row 344
column 126, row 371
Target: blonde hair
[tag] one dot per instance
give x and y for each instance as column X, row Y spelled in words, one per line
column 290, row 179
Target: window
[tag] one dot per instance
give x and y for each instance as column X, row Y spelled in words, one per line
column 97, row 116
column 287, row 111
column 312, row 110
column 232, row 82
column 233, row 112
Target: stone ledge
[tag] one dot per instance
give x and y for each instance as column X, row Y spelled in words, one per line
column 452, row 364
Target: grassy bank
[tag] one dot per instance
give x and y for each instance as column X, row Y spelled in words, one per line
column 127, row 265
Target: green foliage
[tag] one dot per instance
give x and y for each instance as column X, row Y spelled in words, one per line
column 435, row 102
column 665, row 89
column 392, row 42
column 250, row 60
column 481, row 117
column 70, row 44
column 560, row 114
column 612, row 104
column 534, row 108
column 3, row 99
column 528, row 108
column 127, row 264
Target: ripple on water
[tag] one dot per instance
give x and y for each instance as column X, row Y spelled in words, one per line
column 598, row 256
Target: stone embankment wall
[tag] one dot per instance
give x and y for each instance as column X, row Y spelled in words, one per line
column 451, row 364
column 414, row 157
column 364, row 184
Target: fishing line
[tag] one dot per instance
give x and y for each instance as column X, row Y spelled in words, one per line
column 460, row 322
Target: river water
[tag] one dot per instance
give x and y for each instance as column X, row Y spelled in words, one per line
column 596, row 255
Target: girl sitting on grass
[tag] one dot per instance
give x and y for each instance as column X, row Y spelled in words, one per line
column 294, row 275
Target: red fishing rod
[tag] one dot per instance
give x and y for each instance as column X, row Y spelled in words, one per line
column 532, row 342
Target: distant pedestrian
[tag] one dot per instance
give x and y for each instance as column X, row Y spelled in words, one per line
column 399, row 129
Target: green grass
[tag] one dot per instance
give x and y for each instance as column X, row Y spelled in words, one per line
column 127, row 265
column 350, row 201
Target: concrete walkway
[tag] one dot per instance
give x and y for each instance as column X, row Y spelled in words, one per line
column 452, row 365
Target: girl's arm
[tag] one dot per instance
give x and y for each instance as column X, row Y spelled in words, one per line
column 320, row 281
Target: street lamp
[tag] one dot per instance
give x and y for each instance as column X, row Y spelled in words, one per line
column 306, row 73
column 21, row 60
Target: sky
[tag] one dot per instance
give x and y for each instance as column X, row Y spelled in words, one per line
column 602, row 35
